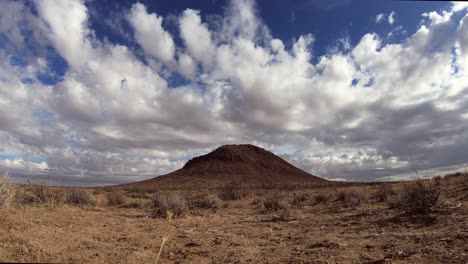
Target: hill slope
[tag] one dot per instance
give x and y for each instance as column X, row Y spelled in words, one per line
column 247, row 164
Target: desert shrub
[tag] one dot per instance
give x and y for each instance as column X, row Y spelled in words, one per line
column 384, row 192
column 321, row 198
column 28, row 197
column 139, row 195
column 280, row 205
column 210, row 201
column 80, row 197
column 168, row 202
column 135, row 204
column 116, row 198
column 418, row 197
column 276, row 203
column 351, row 197
column 233, row 191
column 96, row 191
column 40, row 193
column 298, row 199
column 7, row 191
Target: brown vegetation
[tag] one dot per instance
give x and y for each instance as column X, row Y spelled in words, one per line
column 418, row 197
column 352, row 197
column 384, row 192
column 7, row 192
column 233, row 191
column 166, row 202
column 116, row 198
column 80, row 197
column 321, row 198
column 206, row 201
column 40, row 193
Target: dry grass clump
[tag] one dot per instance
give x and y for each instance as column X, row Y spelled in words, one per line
column 321, row 198
column 116, row 199
column 53, row 196
column 233, row 191
column 206, row 201
column 80, row 197
column 351, row 198
column 384, row 192
column 282, row 203
column 276, row 203
column 139, row 195
column 419, row 197
column 298, row 199
column 7, row 191
column 40, row 193
column 134, row 203
column 169, row 202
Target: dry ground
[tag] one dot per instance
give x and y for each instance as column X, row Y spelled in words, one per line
column 367, row 231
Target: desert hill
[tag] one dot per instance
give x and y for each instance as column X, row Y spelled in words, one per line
column 248, row 164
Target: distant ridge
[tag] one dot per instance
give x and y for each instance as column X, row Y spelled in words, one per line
column 247, row 164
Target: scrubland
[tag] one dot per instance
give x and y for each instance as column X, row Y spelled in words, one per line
column 407, row 222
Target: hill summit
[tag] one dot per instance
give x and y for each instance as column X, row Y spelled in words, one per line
column 244, row 163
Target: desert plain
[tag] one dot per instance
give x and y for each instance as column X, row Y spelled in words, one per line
column 419, row 221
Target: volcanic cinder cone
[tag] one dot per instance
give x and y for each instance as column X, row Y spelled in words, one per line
column 247, row 164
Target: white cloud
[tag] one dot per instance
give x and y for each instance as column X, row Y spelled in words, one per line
column 187, row 66
column 437, row 18
column 458, row 6
column 391, row 18
column 197, row 37
column 242, row 21
column 354, row 112
column 379, row 18
column 150, row 34
column 19, row 164
column 68, row 29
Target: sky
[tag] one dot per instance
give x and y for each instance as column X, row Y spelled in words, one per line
column 106, row 92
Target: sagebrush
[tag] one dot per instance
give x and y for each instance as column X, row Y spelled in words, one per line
column 384, row 192
column 206, row 201
column 233, row 191
column 46, row 195
column 321, row 198
column 169, row 202
column 80, row 197
column 278, row 204
column 351, row 197
column 7, row 191
column 116, row 198
column 418, row 197
column 298, row 199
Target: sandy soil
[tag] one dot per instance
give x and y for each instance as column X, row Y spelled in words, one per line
column 241, row 233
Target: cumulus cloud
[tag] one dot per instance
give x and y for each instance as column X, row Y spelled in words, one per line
column 197, row 37
column 67, row 28
column 359, row 112
column 150, row 34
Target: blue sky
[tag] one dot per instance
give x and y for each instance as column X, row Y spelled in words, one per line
column 97, row 92
column 287, row 20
